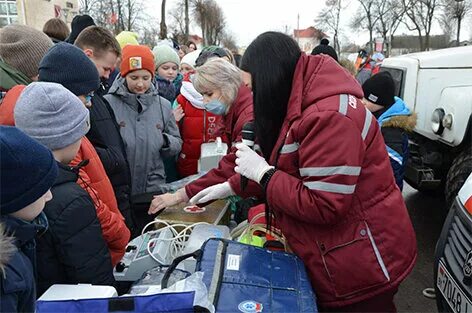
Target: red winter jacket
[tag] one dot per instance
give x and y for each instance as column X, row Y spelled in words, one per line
column 333, row 194
column 95, row 181
column 197, row 126
column 240, row 113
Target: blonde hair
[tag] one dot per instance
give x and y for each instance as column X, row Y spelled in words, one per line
column 348, row 65
column 218, row 74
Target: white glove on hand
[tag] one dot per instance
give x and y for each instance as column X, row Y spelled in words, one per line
column 219, row 191
column 250, row 164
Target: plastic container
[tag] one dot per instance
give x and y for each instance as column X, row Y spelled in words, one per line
column 77, row 292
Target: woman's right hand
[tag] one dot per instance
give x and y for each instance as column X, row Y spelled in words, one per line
column 166, row 200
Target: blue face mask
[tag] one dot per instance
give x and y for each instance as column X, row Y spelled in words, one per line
column 216, row 107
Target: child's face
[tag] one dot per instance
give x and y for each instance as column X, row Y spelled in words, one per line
column 30, row 212
column 139, row 81
column 185, row 68
column 168, row 71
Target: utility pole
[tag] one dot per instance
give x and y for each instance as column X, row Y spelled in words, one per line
column 298, row 28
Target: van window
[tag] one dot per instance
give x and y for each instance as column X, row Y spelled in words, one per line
column 397, row 75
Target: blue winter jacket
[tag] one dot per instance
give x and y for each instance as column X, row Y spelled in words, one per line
column 396, row 122
column 18, row 263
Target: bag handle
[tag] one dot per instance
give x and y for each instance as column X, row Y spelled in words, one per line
column 165, row 280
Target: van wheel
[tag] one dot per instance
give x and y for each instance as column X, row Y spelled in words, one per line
column 458, row 173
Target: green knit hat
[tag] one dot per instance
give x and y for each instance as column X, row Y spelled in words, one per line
column 164, row 54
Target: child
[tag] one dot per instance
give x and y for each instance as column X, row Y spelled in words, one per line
column 73, row 249
column 67, row 65
column 168, row 78
column 394, row 118
column 28, row 172
column 147, row 125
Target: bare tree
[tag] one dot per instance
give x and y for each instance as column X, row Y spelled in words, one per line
column 87, row 5
column 210, row 18
column 366, row 19
column 329, row 19
column 228, row 41
column 447, row 25
column 177, row 25
column 163, row 32
column 456, row 11
column 390, row 15
column 421, row 14
column 187, row 19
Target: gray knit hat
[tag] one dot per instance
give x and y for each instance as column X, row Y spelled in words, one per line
column 52, row 115
column 22, row 47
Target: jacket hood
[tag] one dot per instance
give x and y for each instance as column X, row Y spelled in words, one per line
column 318, row 77
column 7, row 247
column 399, row 116
column 66, row 174
column 191, row 94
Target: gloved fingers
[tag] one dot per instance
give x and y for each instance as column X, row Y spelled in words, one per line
column 196, row 199
column 242, row 147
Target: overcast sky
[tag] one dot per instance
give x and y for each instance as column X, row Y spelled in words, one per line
column 248, row 18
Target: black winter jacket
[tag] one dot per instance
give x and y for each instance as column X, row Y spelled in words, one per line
column 72, row 250
column 18, row 264
column 105, row 136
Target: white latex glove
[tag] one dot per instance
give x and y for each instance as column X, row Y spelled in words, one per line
column 219, row 191
column 250, row 164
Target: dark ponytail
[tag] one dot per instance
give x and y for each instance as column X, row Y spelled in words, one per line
column 271, row 60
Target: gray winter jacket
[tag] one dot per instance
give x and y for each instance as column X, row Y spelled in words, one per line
column 149, row 132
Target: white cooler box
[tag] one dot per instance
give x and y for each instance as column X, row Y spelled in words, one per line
column 211, row 154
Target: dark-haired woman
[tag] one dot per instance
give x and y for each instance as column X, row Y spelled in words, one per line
column 326, row 176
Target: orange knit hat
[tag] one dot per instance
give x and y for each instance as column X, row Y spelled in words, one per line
column 136, row 58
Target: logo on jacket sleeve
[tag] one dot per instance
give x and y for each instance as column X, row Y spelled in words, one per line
column 250, row 306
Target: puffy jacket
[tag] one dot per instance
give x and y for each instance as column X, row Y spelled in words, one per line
column 104, row 134
column 146, row 125
column 396, row 123
column 240, row 113
column 196, row 127
column 94, row 180
column 7, row 105
column 18, row 264
column 72, row 250
column 333, row 194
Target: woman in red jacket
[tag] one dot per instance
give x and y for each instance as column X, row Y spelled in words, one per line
column 223, row 94
column 326, row 176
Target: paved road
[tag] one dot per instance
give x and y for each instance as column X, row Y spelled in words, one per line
column 427, row 213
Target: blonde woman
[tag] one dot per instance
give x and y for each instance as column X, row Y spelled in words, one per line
column 220, row 84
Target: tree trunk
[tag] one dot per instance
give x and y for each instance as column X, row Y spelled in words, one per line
column 163, row 32
column 371, row 43
column 459, row 20
column 187, row 22
column 426, row 42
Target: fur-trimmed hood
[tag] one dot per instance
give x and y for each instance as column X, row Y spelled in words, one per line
column 406, row 122
column 399, row 116
column 7, row 248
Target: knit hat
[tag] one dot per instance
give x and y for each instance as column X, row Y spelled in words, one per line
column 28, row 170
column 136, row 58
column 380, row 89
column 210, row 52
column 67, row 65
column 127, row 38
column 164, row 54
column 23, row 47
column 190, row 58
column 52, row 115
column 79, row 23
column 325, row 48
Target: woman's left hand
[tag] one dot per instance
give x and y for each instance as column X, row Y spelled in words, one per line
column 250, row 164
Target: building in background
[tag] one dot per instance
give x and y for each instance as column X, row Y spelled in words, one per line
column 308, row 38
column 35, row 13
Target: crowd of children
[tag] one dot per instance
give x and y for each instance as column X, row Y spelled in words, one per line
column 90, row 121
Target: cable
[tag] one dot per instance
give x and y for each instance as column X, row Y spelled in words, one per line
column 177, row 241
